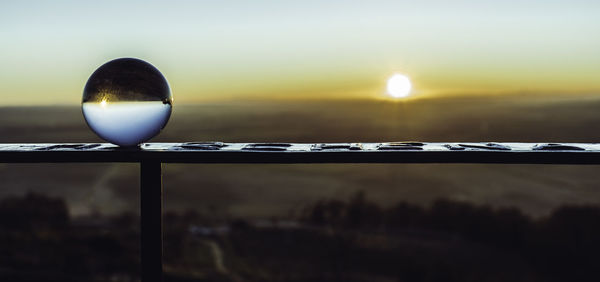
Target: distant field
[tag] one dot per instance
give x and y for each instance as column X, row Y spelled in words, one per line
column 268, row 190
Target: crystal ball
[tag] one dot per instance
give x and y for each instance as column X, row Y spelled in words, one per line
column 127, row 101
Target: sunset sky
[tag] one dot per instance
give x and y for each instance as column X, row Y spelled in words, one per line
column 227, row 50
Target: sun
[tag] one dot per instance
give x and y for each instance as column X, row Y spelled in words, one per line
column 399, row 86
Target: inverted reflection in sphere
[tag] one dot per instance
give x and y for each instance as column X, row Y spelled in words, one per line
column 127, row 101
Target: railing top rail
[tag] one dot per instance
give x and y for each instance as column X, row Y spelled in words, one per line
column 290, row 153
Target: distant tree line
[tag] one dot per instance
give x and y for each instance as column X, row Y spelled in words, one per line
column 563, row 246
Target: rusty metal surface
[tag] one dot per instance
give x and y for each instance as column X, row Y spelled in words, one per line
column 386, row 152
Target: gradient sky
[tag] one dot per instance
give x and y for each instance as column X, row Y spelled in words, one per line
column 225, row 50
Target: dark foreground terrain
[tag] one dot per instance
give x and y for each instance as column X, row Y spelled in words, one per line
column 332, row 240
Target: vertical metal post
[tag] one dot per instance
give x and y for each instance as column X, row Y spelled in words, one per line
column 151, row 237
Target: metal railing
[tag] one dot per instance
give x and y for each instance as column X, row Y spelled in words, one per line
column 151, row 156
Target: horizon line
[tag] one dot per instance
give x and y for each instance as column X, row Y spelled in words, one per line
column 350, row 98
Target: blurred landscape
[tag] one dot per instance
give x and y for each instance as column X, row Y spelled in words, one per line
column 266, row 190
column 349, row 222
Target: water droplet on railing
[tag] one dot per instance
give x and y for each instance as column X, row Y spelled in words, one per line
column 400, row 146
column 556, row 147
column 486, row 146
column 267, row 146
column 337, row 147
column 201, row 146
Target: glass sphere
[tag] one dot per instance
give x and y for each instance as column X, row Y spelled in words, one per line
column 127, row 101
